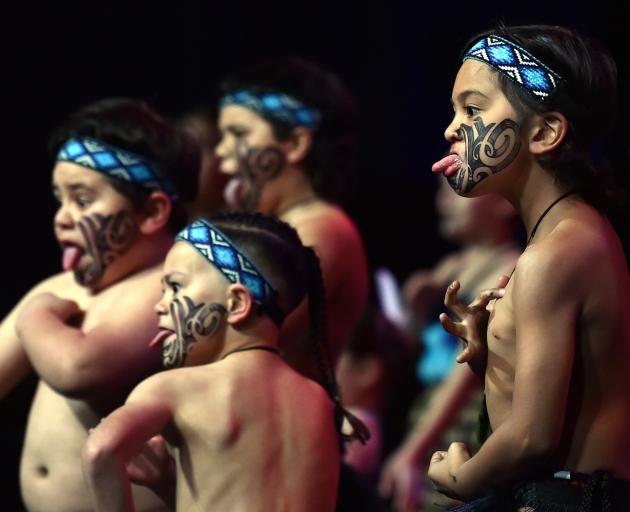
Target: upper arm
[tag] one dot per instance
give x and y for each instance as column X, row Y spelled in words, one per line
column 146, row 413
column 111, row 352
column 546, row 305
column 117, row 349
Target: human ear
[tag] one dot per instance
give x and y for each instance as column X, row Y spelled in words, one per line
column 240, row 304
column 298, row 145
column 155, row 213
column 546, row 132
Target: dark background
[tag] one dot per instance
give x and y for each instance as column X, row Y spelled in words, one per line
column 398, row 57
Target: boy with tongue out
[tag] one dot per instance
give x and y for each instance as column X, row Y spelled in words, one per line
column 120, row 177
column 288, row 138
column 247, row 431
column 528, row 104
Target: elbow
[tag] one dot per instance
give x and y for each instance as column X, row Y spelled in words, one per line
column 535, row 446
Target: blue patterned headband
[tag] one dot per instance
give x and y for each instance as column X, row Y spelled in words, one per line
column 276, row 106
column 517, row 64
column 219, row 250
column 114, row 162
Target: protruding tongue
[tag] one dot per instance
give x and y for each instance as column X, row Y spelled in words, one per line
column 160, row 337
column 233, row 193
column 448, row 165
column 71, row 257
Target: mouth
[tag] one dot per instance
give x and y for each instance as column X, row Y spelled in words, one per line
column 448, row 165
column 161, row 337
column 72, row 254
column 234, row 192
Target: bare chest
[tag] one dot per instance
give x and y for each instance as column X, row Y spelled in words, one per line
column 501, row 338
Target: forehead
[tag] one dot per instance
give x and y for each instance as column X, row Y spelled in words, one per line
column 475, row 77
column 238, row 115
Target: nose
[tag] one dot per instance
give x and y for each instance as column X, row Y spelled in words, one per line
column 63, row 218
column 161, row 308
column 453, row 132
column 221, row 150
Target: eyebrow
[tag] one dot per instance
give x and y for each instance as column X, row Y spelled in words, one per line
column 168, row 278
column 462, row 96
column 73, row 187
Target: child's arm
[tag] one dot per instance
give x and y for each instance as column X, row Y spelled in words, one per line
column 82, row 362
column 14, row 362
column 119, row 437
column 546, row 301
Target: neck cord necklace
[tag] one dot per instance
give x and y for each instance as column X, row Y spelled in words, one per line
column 252, row 347
column 542, row 215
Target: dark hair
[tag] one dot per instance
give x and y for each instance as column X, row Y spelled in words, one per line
column 587, row 98
column 331, row 162
column 132, row 125
column 294, row 271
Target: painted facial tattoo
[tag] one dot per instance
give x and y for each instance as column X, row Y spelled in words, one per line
column 192, row 323
column 488, row 149
column 105, row 238
column 256, row 166
column 488, row 137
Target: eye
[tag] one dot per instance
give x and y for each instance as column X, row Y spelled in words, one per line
column 471, row 111
column 238, row 131
column 83, row 201
column 175, row 287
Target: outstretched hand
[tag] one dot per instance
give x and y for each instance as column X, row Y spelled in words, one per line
column 472, row 321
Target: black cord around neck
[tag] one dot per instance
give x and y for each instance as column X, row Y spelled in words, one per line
column 543, row 214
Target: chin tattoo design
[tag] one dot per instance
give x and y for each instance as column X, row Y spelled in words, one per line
column 257, row 166
column 106, row 238
column 488, row 150
column 192, row 321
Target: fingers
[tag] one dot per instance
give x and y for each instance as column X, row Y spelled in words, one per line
column 468, row 353
column 452, row 302
column 485, row 296
column 455, row 328
column 503, row 281
column 438, row 456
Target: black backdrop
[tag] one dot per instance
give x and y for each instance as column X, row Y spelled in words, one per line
column 398, row 57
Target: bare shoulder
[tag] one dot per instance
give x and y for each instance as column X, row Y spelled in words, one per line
column 138, row 291
column 62, row 284
column 574, row 254
column 322, row 224
column 176, row 385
